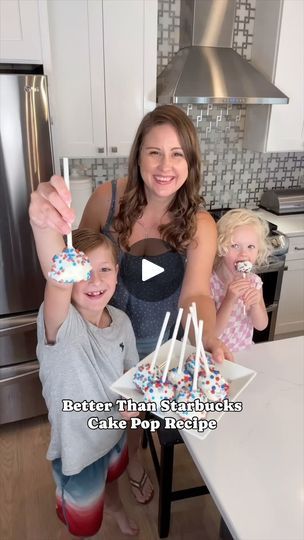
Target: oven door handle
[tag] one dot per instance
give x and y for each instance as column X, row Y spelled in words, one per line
column 22, row 323
column 271, row 307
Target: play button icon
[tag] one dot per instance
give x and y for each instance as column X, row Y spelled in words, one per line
column 150, row 270
column 147, row 259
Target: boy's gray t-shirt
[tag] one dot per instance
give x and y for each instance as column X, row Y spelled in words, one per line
column 81, row 366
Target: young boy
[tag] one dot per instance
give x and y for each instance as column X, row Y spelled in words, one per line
column 84, row 345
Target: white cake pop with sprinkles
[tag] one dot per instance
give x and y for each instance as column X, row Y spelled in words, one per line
column 213, row 385
column 180, row 381
column 157, row 391
column 179, row 377
column 190, row 362
column 245, row 267
column 71, row 265
column 190, row 396
column 144, row 375
column 194, row 393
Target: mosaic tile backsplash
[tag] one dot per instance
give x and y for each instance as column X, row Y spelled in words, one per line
column 231, row 176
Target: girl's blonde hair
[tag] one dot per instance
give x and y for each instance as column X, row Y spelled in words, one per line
column 238, row 218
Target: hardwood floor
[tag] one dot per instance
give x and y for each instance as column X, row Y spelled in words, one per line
column 27, row 493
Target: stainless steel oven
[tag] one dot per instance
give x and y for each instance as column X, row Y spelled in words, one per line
column 271, row 276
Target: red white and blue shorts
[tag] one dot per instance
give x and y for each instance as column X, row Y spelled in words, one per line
column 80, row 497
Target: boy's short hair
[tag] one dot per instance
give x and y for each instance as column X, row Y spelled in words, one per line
column 87, row 239
column 238, row 218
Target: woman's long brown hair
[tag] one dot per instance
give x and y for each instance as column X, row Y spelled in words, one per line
column 183, row 208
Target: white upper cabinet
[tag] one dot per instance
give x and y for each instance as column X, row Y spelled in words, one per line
column 130, row 50
column 76, row 77
column 278, row 52
column 20, row 31
column 103, row 73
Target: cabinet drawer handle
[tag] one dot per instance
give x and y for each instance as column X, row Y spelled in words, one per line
column 299, row 249
column 114, row 149
column 100, row 150
column 285, row 268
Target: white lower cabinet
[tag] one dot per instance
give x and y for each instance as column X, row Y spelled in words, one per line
column 291, row 306
column 103, row 73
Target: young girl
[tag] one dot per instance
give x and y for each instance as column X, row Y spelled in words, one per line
column 238, row 296
column 84, row 345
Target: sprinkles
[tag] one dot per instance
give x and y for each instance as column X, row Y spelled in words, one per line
column 70, row 266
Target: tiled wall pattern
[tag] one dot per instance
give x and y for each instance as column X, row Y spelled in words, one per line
column 232, row 176
column 168, row 31
column 243, row 27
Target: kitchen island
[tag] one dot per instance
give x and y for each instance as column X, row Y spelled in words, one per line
column 253, row 464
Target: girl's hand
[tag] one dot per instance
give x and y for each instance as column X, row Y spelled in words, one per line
column 49, row 207
column 127, row 415
column 252, row 297
column 237, row 288
column 218, row 350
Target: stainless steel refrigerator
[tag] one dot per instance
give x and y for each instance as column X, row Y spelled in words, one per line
column 25, row 160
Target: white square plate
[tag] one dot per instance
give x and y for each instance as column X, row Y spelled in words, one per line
column 237, row 376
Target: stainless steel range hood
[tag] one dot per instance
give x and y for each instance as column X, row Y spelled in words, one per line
column 206, row 69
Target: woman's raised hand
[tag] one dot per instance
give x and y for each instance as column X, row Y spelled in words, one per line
column 49, row 206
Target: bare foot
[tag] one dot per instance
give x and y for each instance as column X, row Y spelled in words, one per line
column 140, row 483
column 126, row 525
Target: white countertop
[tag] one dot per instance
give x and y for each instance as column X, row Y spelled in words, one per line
column 253, row 463
column 291, row 225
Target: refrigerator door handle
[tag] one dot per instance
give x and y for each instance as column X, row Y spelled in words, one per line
column 17, row 324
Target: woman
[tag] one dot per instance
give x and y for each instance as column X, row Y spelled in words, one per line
column 159, row 200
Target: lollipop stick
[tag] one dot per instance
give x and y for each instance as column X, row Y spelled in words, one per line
column 67, row 183
column 203, row 355
column 244, row 307
column 199, row 335
column 194, row 320
column 176, row 327
column 194, row 310
column 160, row 339
column 182, row 353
